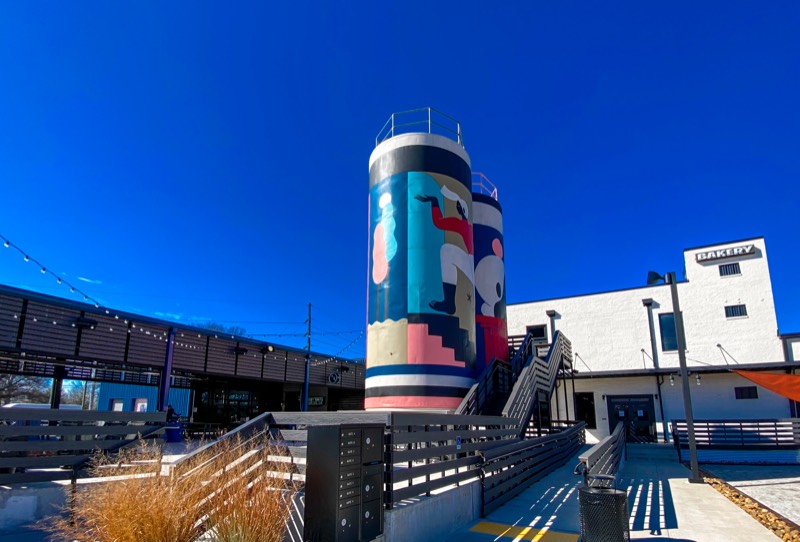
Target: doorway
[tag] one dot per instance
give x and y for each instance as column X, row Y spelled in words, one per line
column 584, row 409
column 637, row 412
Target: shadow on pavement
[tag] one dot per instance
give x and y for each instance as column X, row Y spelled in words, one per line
column 650, row 504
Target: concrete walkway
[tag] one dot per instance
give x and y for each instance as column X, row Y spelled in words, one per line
column 663, row 506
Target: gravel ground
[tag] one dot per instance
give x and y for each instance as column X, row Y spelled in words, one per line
column 771, row 494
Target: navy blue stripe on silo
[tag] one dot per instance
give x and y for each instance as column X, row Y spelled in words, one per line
column 414, row 368
column 488, row 200
column 425, row 158
column 415, row 391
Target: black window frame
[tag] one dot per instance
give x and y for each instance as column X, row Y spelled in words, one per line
column 730, row 269
column 673, row 329
column 746, row 392
column 536, row 339
column 736, row 311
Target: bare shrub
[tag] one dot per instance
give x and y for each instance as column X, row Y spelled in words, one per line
column 230, row 492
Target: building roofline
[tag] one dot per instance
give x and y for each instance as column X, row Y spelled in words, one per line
column 91, row 309
column 644, row 287
column 725, row 243
column 704, row 369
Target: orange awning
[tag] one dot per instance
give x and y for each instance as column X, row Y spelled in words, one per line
column 786, row 385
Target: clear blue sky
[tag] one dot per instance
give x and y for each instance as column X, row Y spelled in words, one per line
column 210, row 161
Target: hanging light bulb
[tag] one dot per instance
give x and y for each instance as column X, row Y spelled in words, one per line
column 72, row 289
column 44, row 270
column 6, row 244
column 671, row 380
column 25, row 257
column 697, row 378
column 58, row 280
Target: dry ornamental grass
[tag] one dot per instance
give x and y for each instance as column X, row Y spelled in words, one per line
column 236, row 495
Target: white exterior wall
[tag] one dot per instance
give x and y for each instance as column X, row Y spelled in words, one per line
column 610, row 332
column 749, row 339
column 713, row 399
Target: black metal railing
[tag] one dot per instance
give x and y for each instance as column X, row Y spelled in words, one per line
column 604, row 458
column 494, row 382
column 430, row 452
column 739, row 434
column 537, row 377
column 46, row 445
column 507, row 470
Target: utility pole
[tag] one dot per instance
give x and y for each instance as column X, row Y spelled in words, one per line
column 687, row 392
column 304, row 406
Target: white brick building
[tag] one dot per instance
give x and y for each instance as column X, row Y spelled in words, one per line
column 625, row 346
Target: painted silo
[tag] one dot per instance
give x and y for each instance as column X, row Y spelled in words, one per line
column 490, row 276
column 421, row 295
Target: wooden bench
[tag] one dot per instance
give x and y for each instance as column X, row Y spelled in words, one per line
column 39, row 445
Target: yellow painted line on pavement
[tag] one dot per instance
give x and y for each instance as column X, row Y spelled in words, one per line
column 523, row 533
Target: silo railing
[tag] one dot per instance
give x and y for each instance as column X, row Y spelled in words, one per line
column 423, row 120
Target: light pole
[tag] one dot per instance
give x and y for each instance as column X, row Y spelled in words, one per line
column 669, row 278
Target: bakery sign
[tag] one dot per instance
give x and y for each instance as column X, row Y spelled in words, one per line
column 745, row 250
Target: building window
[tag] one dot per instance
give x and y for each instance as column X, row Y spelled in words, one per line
column 140, row 405
column 728, row 269
column 735, row 311
column 746, row 392
column 669, row 336
column 116, row 405
column 539, row 333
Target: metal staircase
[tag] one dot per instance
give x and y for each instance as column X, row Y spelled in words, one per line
column 523, row 387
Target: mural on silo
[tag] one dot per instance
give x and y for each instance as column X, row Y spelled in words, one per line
column 490, row 281
column 421, row 299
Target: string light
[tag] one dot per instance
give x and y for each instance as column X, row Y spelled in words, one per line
column 86, row 297
column 72, row 289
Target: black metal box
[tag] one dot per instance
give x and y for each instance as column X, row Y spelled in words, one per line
column 344, row 483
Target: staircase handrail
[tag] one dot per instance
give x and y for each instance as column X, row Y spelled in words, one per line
column 604, row 459
column 482, row 389
column 247, row 431
column 537, row 378
column 522, row 356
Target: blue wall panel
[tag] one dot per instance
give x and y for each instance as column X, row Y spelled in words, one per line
column 179, row 398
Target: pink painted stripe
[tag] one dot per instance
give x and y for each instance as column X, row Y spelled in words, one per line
column 396, row 401
column 427, row 349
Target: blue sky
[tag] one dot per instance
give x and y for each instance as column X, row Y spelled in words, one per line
column 201, row 161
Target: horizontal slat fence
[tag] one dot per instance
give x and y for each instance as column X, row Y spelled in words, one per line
column 430, row 452
column 509, row 469
column 62, row 441
column 739, row 434
column 605, row 457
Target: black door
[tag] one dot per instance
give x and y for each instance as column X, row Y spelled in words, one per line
column 584, row 406
column 637, row 412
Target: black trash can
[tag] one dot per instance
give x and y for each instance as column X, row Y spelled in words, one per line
column 604, row 514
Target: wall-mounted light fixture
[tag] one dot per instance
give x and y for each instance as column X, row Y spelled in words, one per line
column 267, row 349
